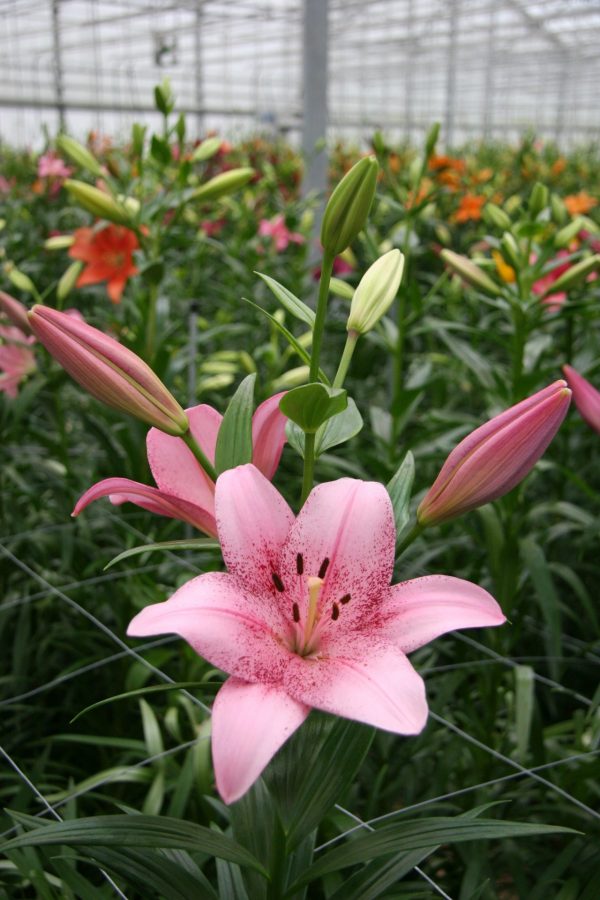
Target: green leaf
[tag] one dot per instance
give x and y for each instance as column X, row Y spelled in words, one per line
column 547, row 596
column 193, row 544
column 399, row 488
column 312, row 404
column 416, row 835
column 234, row 441
column 137, row 831
column 289, row 301
column 314, row 769
column 156, row 874
column 524, row 697
column 160, row 150
column 297, row 347
column 140, row 692
column 333, row 432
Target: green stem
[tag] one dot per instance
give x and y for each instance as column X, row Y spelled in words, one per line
column 398, row 365
column 151, row 322
column 412, row 535
column 349, row 348
column 192, row 443
column 519, row 337
column 326, row 271
column 309, row 467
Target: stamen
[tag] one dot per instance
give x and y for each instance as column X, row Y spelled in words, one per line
column 278, row 582
column 335, row 612
column 324, row 567
column 299, row 564
column 296, row 612
column 345, row 599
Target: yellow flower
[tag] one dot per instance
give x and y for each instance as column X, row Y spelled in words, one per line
column 506, row 272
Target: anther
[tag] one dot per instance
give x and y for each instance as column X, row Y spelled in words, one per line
column 335, row 612
column 277, row 582
column 324, row 567
column 299, row 564
column 296, row 612
column 345, row 599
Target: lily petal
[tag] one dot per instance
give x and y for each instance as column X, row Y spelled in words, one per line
column 124, row 490
column 224, row 623
column 175, row 468
column 345, row 534
column 420, row 610
column 268, row 435
column 368, row 680
column 250, row 722
column 253, row 521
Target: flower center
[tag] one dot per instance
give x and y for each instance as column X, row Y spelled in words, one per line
column 308, row 618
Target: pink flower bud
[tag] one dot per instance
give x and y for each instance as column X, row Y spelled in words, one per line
column 14, row 311
column 109, row 371
column 495, row 457
column 586, row 397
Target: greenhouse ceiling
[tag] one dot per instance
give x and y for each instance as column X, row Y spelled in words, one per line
column 483, row 68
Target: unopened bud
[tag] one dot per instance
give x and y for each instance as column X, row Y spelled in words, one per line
column 496, row 216
column 15, row 311
column 511, row 251
column 78, row 154
column 97, row 202
column 432, row 139
column 495, row 457
column 109, row 371
column 68, row 280
column 206, row 149
column 470, row 272
column 59, row 242
column 573, row 275
column 20, row 280
column 564, row 237
column 348, row 207
column 376, row 292
column 538, row 199
column 225, row 183
column 559, row 210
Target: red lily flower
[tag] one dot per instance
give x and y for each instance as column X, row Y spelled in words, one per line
column 108, row 254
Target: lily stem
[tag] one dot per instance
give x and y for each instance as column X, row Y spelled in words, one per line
column 346, row 359
column 326, row 271
column 196, row 449
column 412, row 535
column 309, row 466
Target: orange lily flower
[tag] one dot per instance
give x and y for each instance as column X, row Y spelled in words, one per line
column 108, row 254
column 469, row 208
column 580, row 203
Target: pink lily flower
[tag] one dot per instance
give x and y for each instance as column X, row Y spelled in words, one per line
column 586, row 397
column 16, row 360
column 184, row 490
column 305, row 617
column 276, row 229
column 495, row 457
column 52, row 166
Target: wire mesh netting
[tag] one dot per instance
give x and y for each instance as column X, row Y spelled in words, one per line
column 484, row 69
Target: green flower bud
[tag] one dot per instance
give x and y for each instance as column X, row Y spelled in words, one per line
column 78, row 154
column 559, row 212
column 341, row 289
column 538, row 199
column 496, row 216
column 97, row 202
column 68, row 280
column 376, row 292
column 348, row 207
column 564, row 237
column 470, row 272
column 511, row 250
column 59, row 242
column 206, row 149
column 225, row 183
column 574, row 275
column 20, row 280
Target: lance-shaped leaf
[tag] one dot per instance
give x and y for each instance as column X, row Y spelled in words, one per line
column 399, row 488
column 234, row 441
column 289, row 301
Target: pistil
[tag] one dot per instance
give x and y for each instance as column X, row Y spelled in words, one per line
column 314, row 592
